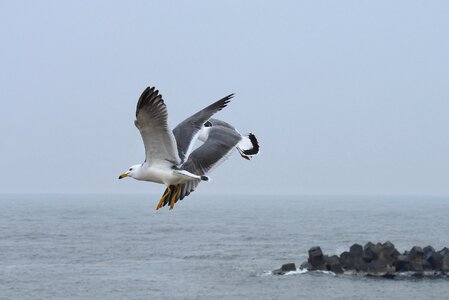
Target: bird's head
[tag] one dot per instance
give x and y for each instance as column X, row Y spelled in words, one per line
column 132, row 172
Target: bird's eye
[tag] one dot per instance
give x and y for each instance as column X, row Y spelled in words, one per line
column 130, row 169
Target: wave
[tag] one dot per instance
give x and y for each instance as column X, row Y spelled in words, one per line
column 398, row 275
column 296, row 272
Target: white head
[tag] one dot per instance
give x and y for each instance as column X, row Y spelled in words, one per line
column 132, row 172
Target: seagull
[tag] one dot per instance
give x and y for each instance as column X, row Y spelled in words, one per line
column 169, row 155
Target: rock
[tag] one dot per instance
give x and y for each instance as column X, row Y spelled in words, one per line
column 416, row 253
column 438, row 261
column 416, row 267
column 389, row 250
column 428, row 252
column 428, row 257
column 285, row 269
column 380, row 260
column 445, row 263
column 402, row 263
column 288, row 267
column 316, row 258
column 353, row 260
column 356, row 250
column 415, row 258
column 368, row 252
column 426, row 265
column 381, row 268
column 444, row 251
column 333, row 264
column 372, row 252
column 435, row 259
column 277, row 272
column 346, row 261
column 318, row 261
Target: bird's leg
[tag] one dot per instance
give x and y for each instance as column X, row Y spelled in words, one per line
column 173, row 199
column 167, row 192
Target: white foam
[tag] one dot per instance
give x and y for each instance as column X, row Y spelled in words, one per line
column 297, row 271
column 326, row 272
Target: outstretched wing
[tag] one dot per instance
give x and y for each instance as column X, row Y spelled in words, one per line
column 248, row 146
column 151, row 120
column 187, row 131
column 216, row 149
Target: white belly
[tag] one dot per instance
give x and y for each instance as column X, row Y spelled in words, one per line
column 165, row 175
column 157, row 175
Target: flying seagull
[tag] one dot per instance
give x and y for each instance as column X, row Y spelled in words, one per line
column 169, row 155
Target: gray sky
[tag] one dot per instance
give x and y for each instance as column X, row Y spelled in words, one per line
column 346, row 97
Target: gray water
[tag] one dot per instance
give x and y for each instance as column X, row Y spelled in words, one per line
column 215, row 247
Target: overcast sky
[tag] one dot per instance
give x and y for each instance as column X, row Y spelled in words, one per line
column 346, row 97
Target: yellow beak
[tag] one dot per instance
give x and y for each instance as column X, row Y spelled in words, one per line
column 123, row 176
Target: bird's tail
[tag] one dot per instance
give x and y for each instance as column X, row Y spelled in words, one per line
column 248, row 146
column 189, row 175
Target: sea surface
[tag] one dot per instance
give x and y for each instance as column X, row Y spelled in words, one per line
column 208, row 247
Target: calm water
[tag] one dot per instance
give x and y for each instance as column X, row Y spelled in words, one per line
column 218, row 247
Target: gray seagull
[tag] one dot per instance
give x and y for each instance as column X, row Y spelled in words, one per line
column 169, row 155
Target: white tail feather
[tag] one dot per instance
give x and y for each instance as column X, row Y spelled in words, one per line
column 248, row 146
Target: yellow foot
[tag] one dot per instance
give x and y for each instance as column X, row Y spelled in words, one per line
column 175, row 196
column 167, row 192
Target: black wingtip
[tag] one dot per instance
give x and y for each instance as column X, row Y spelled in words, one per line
column 230, row 96
column 255, row 149
column 149, row 94
column 224, row 101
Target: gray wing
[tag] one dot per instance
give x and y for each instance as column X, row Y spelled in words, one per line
column 216, row 149
column 187, row 131
column 151, row 120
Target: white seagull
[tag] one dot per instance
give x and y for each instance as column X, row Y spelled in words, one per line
column 169, row 155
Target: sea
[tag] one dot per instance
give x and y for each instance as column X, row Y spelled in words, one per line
column 207, row 247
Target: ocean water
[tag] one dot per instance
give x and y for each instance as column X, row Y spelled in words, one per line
column 208, row 247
